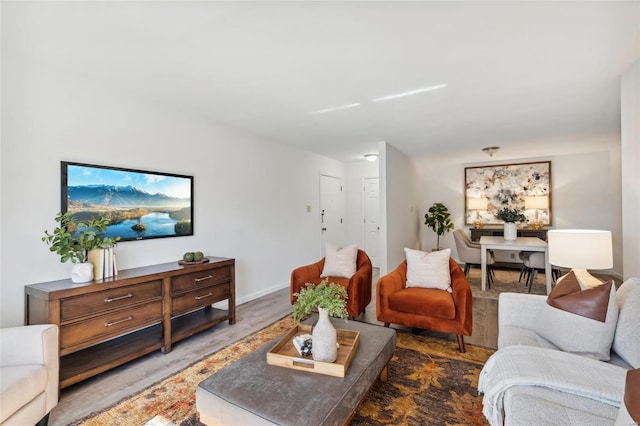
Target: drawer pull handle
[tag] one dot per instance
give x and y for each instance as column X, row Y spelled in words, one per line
column 205, row 296
column 109, row 324
column 113, row 299
column 208, row 277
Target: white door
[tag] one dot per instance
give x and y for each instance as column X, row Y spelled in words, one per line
column 371, row 209
column 331, row 207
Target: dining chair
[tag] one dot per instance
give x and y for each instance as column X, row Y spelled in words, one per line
column 469, row 252
column 534, row 262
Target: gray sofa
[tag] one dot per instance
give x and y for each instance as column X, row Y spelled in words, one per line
column 548, row 385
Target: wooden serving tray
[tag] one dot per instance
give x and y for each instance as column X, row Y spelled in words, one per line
column 284, row 354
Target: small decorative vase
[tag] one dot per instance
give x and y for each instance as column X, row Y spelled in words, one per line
column 510, row 231
column 325, row 339
column 82, row 272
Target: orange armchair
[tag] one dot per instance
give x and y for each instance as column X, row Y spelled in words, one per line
column 358, row 286
column 426, row 308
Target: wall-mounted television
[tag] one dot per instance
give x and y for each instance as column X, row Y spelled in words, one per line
column 139, row 204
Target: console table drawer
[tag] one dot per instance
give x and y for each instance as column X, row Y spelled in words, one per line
column 198, row 298
column 79, row 306
column 110, row 324
column 200, row 279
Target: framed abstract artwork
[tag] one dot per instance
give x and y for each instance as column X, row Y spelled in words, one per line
column 523, row 186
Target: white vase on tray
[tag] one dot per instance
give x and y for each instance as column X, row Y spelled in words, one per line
column 325, row 338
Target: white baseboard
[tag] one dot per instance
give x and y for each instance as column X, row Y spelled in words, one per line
column 253, row 296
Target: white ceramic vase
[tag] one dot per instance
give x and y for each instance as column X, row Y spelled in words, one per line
column 82, row 272
column 510, row 231
column 325, row 339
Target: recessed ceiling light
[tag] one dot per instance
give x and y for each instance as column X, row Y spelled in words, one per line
column 409, row 93
column 338, row 108
column 371, row 157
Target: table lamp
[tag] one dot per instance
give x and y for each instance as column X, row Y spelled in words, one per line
column 581, row 249
column 539, row 202
column 477, row 204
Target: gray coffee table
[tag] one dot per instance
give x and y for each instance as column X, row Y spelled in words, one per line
column 252, row 392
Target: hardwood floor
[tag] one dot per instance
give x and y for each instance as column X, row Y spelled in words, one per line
column 104, row 390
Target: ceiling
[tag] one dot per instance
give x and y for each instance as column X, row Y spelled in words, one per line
column 514, row 71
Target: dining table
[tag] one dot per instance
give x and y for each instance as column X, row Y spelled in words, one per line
column 519, row 244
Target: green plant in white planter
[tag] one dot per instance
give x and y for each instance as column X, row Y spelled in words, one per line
column 510, row 216
column 329, row 299
column 72, row 240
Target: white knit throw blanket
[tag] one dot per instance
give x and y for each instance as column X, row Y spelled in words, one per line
column 553, row 369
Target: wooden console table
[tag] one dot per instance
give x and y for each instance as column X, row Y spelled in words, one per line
column 499, row 232
column 109, row 322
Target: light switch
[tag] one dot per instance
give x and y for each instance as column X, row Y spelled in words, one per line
column 308, row 209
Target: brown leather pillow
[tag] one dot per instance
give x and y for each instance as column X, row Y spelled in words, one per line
column 592, row 303
column 632, row 394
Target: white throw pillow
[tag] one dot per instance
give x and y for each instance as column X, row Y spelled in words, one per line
column 340, row 263
column 579, row 334
column 428, row 270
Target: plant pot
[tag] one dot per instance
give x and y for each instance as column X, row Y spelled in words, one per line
column 96, row 258
column 82, row 272
column 325, row 339
column 510, row 231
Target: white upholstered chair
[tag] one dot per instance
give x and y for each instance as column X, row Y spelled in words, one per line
column 533, row 262
column 29, row 365
column 469, row 253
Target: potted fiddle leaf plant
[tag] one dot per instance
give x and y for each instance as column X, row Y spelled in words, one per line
column 72, row 241
column 438, row 219
column 510, row 216
column 329, row 300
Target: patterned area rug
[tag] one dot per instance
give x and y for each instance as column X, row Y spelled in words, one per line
column 430, row 382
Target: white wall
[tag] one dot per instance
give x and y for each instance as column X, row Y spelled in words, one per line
column 250, row 195
column 630, row 102
column 401, row 224
column 586, row 190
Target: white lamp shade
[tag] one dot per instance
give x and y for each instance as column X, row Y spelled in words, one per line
column 536, row 202
column 580, row 248
column 477, row 203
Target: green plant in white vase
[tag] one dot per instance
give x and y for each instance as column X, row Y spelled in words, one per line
column 510, row 216
column 72, row 240
column 328, row 299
